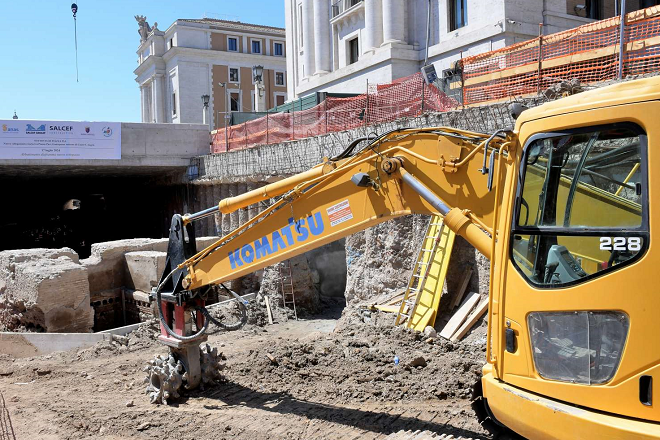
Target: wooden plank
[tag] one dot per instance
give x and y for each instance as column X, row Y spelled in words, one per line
column 460, row 316
column 269, row 312
column 472, row 319
column 390, row 309
column 461, row 289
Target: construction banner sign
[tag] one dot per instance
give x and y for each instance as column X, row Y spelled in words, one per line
column 23, row 139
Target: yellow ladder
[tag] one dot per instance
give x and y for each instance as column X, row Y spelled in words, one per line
column 286, row 284
column 428, row 276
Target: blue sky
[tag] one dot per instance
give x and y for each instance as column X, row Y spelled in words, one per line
column 37, row 59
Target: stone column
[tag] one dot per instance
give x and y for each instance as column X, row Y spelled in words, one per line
column 322, row 54
column 217, row 219
column 393, row 21
column 148, row 92
column 308, row 37
column 226, row 219
column 143, row 102
column 157, row 99
column 373, row 23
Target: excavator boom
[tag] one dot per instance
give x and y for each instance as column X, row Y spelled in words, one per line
column 430, row 171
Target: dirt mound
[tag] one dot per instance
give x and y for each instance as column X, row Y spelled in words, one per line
column 145, row 336
column 366, row 358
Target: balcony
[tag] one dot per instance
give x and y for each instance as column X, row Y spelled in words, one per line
column 340, row 6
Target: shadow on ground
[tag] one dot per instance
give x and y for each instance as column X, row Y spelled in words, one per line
column 233, row 394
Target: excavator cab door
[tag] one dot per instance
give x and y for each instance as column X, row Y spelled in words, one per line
column 579, row 308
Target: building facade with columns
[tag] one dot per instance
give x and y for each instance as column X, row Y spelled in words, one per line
column 194, row 57
column 339, row 45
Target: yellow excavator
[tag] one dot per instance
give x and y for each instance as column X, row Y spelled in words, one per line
column 560, row 205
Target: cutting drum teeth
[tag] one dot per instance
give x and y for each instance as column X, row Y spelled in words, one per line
column 166, row 375
column 164, row 379
column 211, row 365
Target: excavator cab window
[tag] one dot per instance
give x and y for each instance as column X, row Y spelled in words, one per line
column 581, row 207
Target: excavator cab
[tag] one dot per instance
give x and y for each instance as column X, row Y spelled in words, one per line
column 573, row 296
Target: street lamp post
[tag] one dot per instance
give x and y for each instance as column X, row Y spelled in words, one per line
column 205, row 103
column 224, row 86
column 259, row 89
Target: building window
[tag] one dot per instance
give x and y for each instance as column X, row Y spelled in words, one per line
column 174, row 104
column 457, row 14
column 256, row 46
column 235, row 102
column 170, row 43
column 232, row 44
column 279, row 100
column 279, row 78
column 279, row 49
column 353, row 51
column 233, row 75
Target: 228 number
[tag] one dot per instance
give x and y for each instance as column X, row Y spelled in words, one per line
column 620, row 243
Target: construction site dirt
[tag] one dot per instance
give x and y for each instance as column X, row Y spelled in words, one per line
column 316, row 378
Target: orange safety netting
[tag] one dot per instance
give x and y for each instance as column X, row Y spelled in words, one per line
column 408, row 96
column 588, row 53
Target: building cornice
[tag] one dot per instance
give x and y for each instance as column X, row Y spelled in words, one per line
column 224, row 57
column 353, row 13
column 152, row 61
column 388, row 53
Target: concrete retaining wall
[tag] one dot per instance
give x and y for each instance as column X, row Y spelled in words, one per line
column 35, row 344
column 270, row 163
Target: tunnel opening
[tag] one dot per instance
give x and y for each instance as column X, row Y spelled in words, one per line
column 77, row 211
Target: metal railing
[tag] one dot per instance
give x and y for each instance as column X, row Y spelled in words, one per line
column 340, row 6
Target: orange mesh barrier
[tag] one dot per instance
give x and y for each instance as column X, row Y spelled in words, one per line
column 407, row 96
column 588, row 53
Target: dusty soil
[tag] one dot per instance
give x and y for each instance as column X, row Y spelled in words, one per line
column 326, row 382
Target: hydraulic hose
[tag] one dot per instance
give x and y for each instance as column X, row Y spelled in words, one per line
column 230, row 327
column 204, row 311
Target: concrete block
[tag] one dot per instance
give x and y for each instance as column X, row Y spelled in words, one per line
column 204, row 242
column 107, row 265
column 144, row 269
column 51, row 294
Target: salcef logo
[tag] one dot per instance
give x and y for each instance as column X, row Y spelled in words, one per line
column 29, row 129
column 86, row 129
column 295, row 231
column 60, row 129
column 7, row 129
column 107, row 131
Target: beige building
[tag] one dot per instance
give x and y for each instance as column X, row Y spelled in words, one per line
column 194, row 56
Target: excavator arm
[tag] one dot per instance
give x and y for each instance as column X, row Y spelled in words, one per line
column 444, row 171
column 430, row 171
